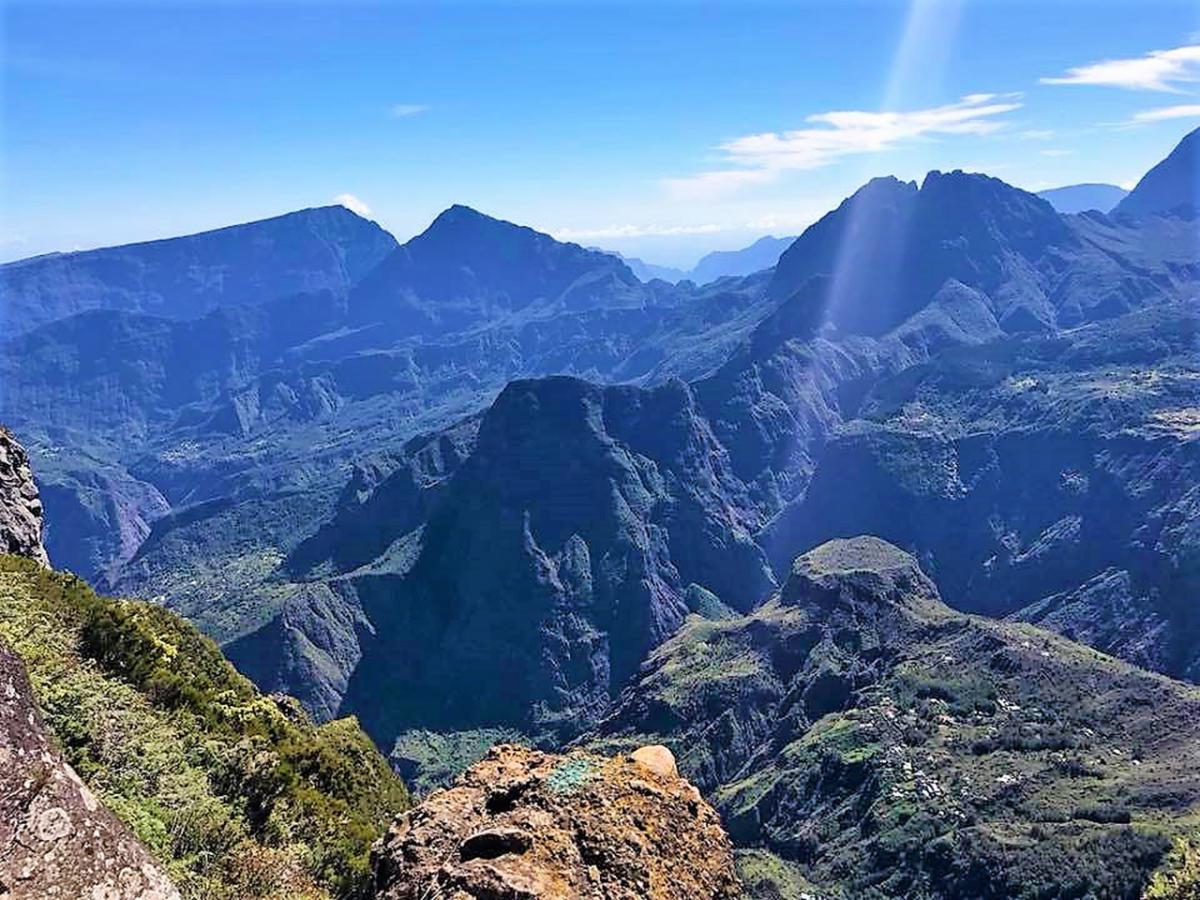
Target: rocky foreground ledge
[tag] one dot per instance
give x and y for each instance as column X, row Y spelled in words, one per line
column 526, row 824
column 56, row 839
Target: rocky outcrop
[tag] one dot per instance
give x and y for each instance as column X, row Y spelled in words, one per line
column 20, row 505
column 526, row 824
column 56, row 840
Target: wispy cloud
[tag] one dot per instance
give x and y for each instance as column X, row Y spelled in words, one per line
column 609, row 232
column 1058, row 152
column 352, row 203
column 404, row 110
column 759, row 158
column 1162, row 113
column 1158, row 70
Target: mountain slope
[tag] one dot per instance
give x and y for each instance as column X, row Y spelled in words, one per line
column 236, row 794
column 1171, row 188
column 1029, row 473
column 1077, row 198
column 885, row 746
column 328, row 248
column 591, row 518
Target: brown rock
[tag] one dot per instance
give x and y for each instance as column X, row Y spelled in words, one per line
column 656, row 758
column 527, row 825
column 56, row 839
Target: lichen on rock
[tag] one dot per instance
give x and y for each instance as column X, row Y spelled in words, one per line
column 526, row 824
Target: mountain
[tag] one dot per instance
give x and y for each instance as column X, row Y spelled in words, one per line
column 868, row 741
column 592, row 518
column 762, row 254
column 555, row 541
column 1171, row 188
column 132, row 415
column 328, row 248
column 468, row 269
column 647, row 271
column 1045, row 478
column 1078, row 198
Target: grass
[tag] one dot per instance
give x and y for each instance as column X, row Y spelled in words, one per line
column 239, row 795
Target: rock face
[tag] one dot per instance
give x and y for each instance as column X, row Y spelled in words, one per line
column 56, row 840
column 522, row 824
column 20, row 505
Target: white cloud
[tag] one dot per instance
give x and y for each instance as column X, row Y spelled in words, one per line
column 1162, row 113
column 760, row 158
column 404, row 110
column 353, row 204
column 1058, row 152
column 1158, row 70
column 1037, row 134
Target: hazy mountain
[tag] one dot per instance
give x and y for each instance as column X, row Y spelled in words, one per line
column 328, row 248
column 1170, row 188
column 762, row 254
column 1077, row 198
column 647, row 271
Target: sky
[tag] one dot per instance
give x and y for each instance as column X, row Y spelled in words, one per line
column 658, row 129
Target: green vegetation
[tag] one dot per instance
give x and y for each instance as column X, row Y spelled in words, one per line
column 887, row 747
column 1179, row 877
column 238, row 794
column 428, row 760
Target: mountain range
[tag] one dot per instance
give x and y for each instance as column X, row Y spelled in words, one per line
column 762, row 254
column 489, row 484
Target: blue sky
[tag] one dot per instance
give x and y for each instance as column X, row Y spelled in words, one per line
column 658, row 129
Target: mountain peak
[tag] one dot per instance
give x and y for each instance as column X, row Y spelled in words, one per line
column 857, row 572
column 1170, row 188
column 460, row 221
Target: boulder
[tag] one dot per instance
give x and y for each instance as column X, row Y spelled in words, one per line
column 523, row 824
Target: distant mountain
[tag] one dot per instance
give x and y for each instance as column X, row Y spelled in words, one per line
column 1172, row 187
column 1077, row 198
column 647, row 271
column 328, row 248
column 868, row 741
column 468, row 269
column 762, row 254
